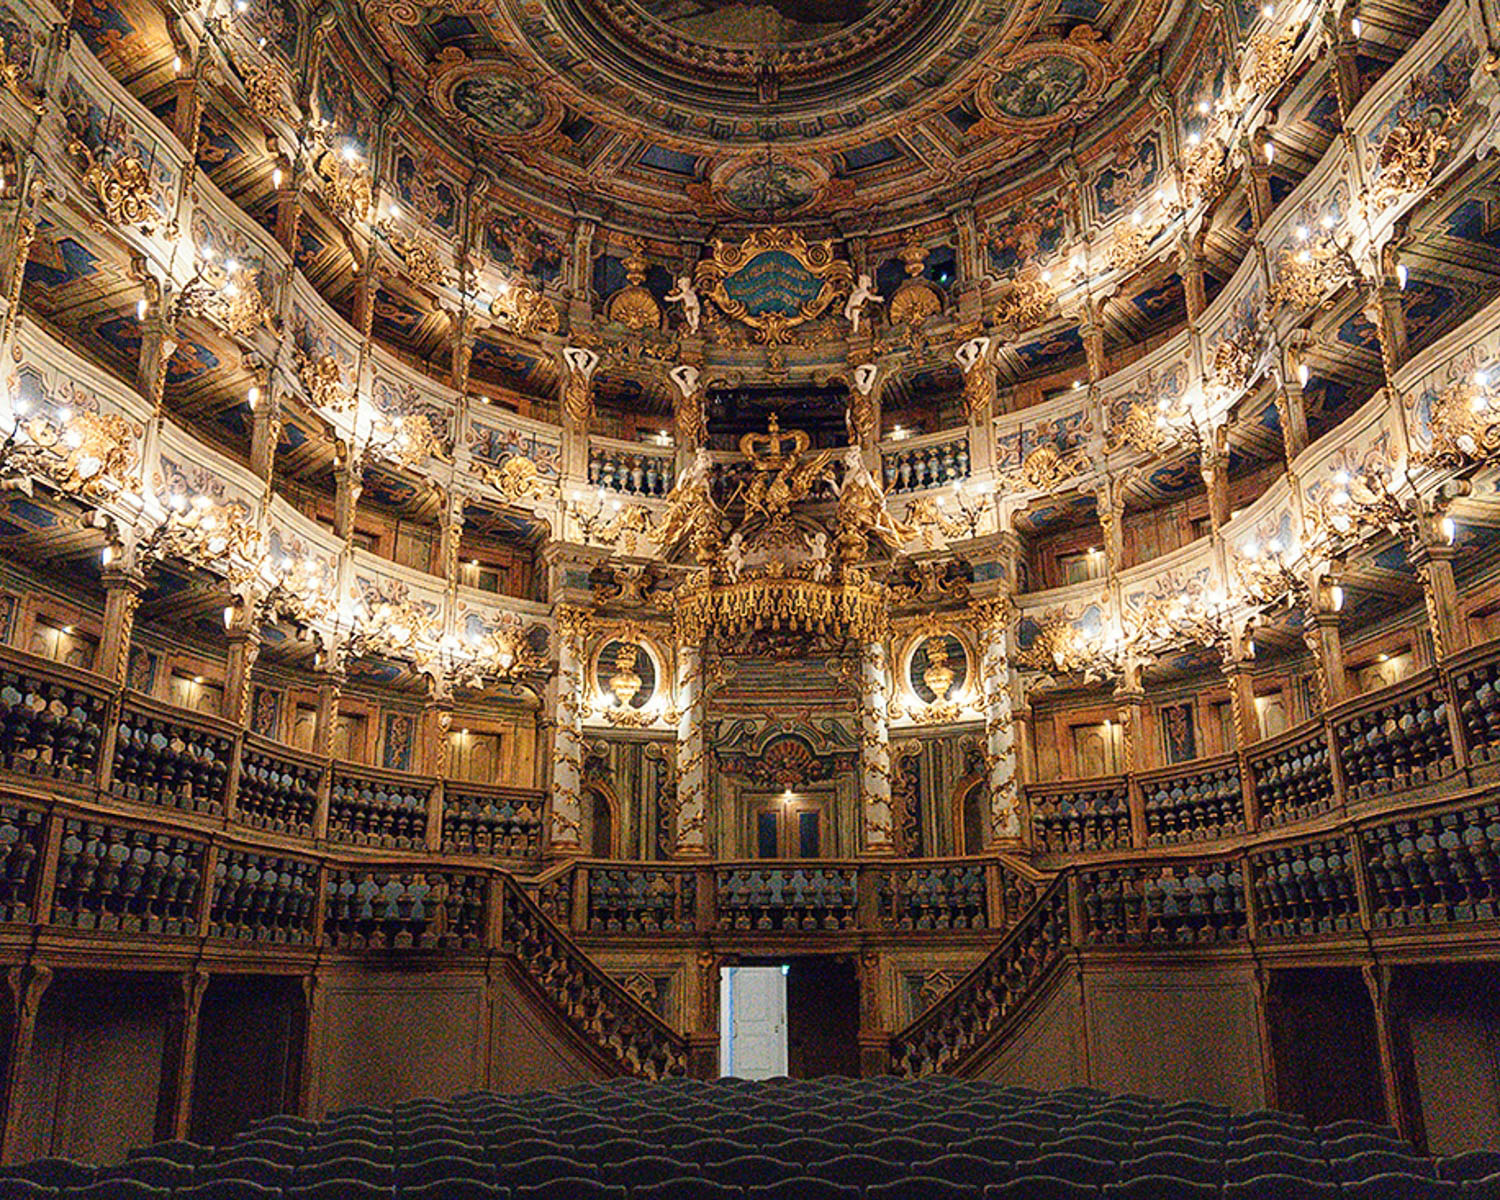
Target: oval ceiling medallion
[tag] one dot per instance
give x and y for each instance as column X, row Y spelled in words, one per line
column 490, row 101
column 768, row 186
column 1047, row 83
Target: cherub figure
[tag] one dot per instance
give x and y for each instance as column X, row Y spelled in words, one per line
column 687, row 295
column 864, row 293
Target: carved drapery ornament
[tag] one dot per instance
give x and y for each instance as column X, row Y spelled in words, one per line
column 345, row 186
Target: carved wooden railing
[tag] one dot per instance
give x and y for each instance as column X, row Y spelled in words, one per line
column 635, row 1039
column 1368, row 879
column 596, row 899
column 491, row 821
column 980, row 1006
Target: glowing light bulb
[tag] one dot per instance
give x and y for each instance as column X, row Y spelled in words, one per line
column 140, row 310
column 1356, row 27
column 1194, row 138
column 1304, row 373
column 1449, row 529
column 276, row 177
column 253, row 395
column 1402, row 276
column 1270, row 152
column 177, row 64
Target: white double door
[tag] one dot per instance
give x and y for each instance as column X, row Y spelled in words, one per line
column 752, row 1022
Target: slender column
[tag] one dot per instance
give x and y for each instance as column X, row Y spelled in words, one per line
column 26, row 986
column 1130, row 707
column 239, row 662
column 1258, row 180
column 325, row 721
column 347, row 486
column 1193, row 278
column 179, row 1056
column 689, row 835
column 1213, row 462
column 158, row 343
column 1001, row 750
column 265, row 429
column 1291, row 408
column 1389, row 316
column 875, row 751
column 1324, row 640
column 567, row 752
column 1348, row 87
column 1378, row 982
column 122, row 598
column 1434, row 565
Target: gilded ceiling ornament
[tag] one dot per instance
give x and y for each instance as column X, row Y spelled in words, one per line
column 227, row 294
column 1060, row 647
column 345, row 186
column 1205, row 170
column 93, row 454
column 916, row 299
column 412, row 13
column 1144, row 429
column 633, row 306
column 774, row 281
column 266, row 88
column 524, row 310
column 13, row 79
column 1028, row 302
column 1273, row 53
column 1044, row 84
column 517, row 479
column 1046, row 469
column 424, row 262
column 223, row 538
column 121, row 185
column 1412, row 151
column 323, row 378
column 1464, row 424
column 490, row 100
column 1130, row 245
column 1233, row 359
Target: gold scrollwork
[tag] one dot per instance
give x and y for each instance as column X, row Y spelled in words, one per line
column 524, row 310
column 121, row 185
column 729, row 259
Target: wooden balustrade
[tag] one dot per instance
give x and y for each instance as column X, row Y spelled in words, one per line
column 1077, row 816
column 371, row 807
column 170, row 757
column 1291, row 775
column 278, row 787
column 491, row 821
column 1396, row 739
column 52, row 718
column 1193, row 802
column 633, row 1037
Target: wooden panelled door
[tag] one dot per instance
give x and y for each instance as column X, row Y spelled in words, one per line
column 787, row 827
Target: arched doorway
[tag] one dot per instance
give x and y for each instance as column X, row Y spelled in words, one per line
column 973, row 817
column 601, row 824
